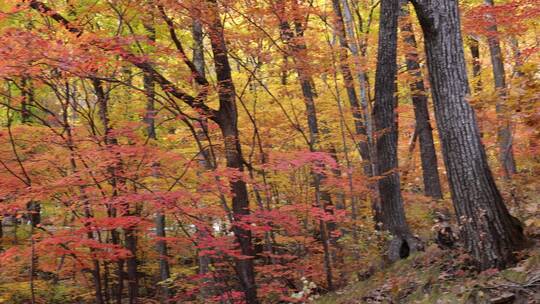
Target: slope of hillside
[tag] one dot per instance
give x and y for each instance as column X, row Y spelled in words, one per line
column 437, row 276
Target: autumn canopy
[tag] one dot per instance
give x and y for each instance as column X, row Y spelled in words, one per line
column 261, row 151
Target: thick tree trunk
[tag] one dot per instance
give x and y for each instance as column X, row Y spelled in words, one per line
column 488, row 230
column 430, row 173
column 227, row 119
column 504, row 132
column 386, row 128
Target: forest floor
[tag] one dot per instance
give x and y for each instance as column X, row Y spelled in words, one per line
column 446, row 276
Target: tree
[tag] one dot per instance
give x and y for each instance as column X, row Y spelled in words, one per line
column 428, row 155
column 227, row 119
column 504, row 133
column 292, row 37
column 386, row 130
column 489, row 232
column 228, row 151
column 149, row 119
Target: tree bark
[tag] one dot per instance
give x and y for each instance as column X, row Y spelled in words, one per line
column 131, row 266
column 386, row 128
column 477, row 67
column 488, row 230
column 96, row 272
column 504, row 132
column 27, row 100
column 323, row 199
column 359, row 120
column 160, row 220
column 206, row 161
column 361, row 113
column 430, row 173
column 102, row 101
column 227, row 119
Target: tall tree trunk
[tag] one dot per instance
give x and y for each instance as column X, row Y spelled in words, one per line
column 206, row 160
column 504, row 132
column 488, row 230
column 386, row 128
column 103, row 113
column 130, row 234
column 227, row 119
column 361, row 113
column 33, row 207
column 96, row 272
column 160, row 220
column 359, row 120
column 430, row 173
column 322, row 198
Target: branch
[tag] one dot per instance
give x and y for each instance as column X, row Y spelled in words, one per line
column 45, row 10
column 167, row 86
column 200, row 79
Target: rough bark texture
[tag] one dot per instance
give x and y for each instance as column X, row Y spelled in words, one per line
column 386, row 128
column 488, row 231
column 227, row 119
column 504, row 133
column 430, row 173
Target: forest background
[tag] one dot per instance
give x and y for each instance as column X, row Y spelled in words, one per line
column 261, row 151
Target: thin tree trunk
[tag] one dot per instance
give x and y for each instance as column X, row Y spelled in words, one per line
column 322, row 198
column 386, row 128
column 27, row 92
column 518, row 61
column 504, row 132
column 365, row 127
column 27, row 100
column 32, row 265
column 359, row 120
column 489, row 232
column 430, row 173
column 103, row 112
column 477, row 67
column 160, row 220
column 130, row 236
column 96, row 274
column 131, row 266
column 205, row 160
